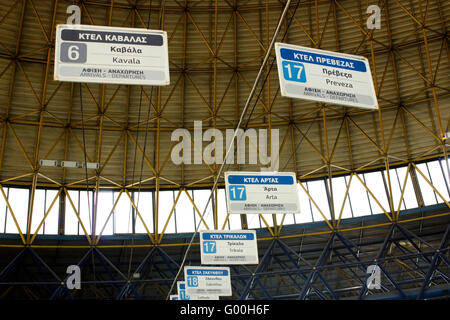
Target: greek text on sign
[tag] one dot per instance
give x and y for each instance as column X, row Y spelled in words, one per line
column 207, row 281
column 99, row 54
column 261, row 192
column 181, row 287
column 325, row 76
column 204, row 297
column 229, row 247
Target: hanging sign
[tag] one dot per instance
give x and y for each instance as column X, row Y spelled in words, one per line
column 261, row 192
column 325, row 76
column 204, row 297
column 181, row 287
column 228, row 247
column 85, row 53
column 207, row 281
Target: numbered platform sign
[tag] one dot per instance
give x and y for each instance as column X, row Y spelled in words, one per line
column 207, row 281
column 261, row 192
column 181, row 287
column 325, row 76
column 85, row 53
column 229, row 247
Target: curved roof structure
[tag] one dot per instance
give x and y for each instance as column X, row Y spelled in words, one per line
column 216, row 49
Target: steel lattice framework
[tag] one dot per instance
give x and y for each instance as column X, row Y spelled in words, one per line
column 215, row 51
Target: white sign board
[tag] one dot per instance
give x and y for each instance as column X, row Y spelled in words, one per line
column 173, row 297
column 99, row 54
column 181, row 287
column 204, row 297
column 207, row 281
column 325, row 76
column 228, row 247
column 261, row 192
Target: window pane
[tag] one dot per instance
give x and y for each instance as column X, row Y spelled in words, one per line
column 3, row 210
column 287, row 219
column 409, row 196
column 105, row 204
column 444, row 168
column 425, row 188
column 38, row 210
column 269, row 220
column 185, row 213
column 70, row 219
column 201, row 198
column 234, row 220
column 86, row 205
column 305, row 208
column 222, row 209
column 42, row 202
column 253, row 221
column 438, row 180
column 165, row 205
column 374, row 181
column 122, row 214
column 318, row 193
column 395, row 187
column 358, row 198
column 18, row 199
column 339, row 188
column 144, row 203
column 51, row 222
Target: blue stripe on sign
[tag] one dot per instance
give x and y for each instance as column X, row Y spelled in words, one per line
column 227, row 236
column 182, row 286
column 238, row 179
column 211, row 272
column 324, row 60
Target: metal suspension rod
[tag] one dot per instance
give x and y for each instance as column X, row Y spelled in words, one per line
column 244, row 111
column 163, row 4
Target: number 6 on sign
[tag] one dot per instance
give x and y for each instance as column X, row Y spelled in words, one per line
column 73, row 52
column 237, row 193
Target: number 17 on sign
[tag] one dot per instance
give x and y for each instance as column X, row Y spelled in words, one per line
column 294, row 71
column 209, row 247
column 238, row 193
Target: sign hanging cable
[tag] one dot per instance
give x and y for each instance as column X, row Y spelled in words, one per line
column 147, row 121
column 241, row 119
column 87, row 177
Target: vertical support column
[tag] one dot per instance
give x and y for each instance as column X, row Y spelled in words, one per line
column 30, row 207
column 416, row 186
column 62, row 213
